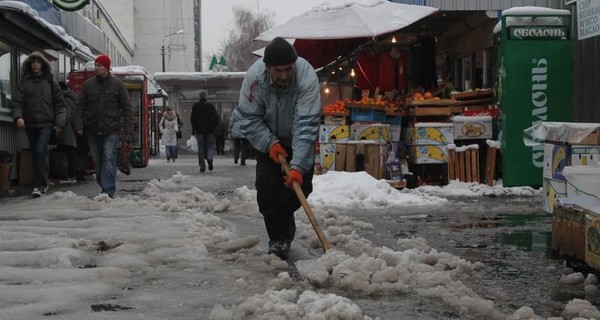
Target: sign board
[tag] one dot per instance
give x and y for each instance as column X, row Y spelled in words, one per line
column 538, row 33
column 70, row 5
column 588, row 18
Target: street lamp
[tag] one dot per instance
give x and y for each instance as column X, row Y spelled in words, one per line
column 162, row 49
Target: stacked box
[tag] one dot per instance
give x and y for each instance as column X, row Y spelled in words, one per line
column 553, row 189
column 339, row 120
column 395, row 123
column 592, row 239
column 472, row 127
column 556, row 158
column 331, row 133
column 583, row 185
column 427, row 154
column 379, row 132
column 585, row 155
column 367, row 115
column 327, row 157
column 429, row 134
column 393, row 120
column 428, row 142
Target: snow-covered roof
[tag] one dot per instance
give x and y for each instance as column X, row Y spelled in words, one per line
column 59, row 31
column 191, row 76
column 532, row 16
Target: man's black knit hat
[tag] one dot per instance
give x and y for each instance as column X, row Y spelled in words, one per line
column 279, row 52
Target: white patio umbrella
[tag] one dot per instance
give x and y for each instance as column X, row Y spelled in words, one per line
column 343, row 19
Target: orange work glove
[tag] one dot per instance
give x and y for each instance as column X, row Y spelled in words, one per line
column 294, row 175
column 276, row 150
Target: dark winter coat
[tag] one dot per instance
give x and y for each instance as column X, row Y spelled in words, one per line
column 68, row 136
column 204, row 117
column 104, row 107
column 39, row 99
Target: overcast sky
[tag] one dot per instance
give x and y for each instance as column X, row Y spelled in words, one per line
column 215, row 27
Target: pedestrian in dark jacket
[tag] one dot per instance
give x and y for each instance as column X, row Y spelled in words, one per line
column 39, row 108
column 220, row 137
column 179, row 134
column 204, row 119
column 67, row 140
column 105, row 110
column 240, row 144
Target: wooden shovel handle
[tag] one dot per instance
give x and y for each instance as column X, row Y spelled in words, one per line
column 309, row 213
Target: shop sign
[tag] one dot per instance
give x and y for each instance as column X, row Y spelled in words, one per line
column 70, row 5
column 588, row 18
column 538, row 33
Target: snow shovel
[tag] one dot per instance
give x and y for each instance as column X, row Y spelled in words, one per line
column 311, row 217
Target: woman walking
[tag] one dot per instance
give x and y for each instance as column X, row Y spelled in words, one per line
column 168, row 128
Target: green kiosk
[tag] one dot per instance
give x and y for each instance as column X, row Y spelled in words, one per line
column 533, row 84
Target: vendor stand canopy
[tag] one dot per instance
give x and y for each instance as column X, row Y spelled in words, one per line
column 337, row 27
column 343, row 19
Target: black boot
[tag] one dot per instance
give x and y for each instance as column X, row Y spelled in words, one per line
column 279, row 248
column 210, row 166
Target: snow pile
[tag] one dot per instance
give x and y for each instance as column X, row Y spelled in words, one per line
column 457, row 188
column 359, row 190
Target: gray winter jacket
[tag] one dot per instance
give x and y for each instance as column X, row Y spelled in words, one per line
column 290, row 117
column 234, row 131
column 39, row 99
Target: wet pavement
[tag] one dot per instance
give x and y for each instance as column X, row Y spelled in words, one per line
column 511, row 236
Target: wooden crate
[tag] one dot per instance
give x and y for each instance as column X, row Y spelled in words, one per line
column 568, row 232
column 425, row 111
column 463, row 165
column 475, row 94
column 369, row 157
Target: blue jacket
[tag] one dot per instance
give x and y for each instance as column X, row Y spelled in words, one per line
column 290, row 117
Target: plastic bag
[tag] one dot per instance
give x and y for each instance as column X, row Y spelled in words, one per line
column 228, row 146
column 192, row 144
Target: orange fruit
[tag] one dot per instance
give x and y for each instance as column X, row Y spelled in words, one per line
column 427, row 95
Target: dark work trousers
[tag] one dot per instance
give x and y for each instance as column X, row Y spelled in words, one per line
column 71, row 153
column 276, row 202
column 81, row 156
column 220, row 144
column 240, row 149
